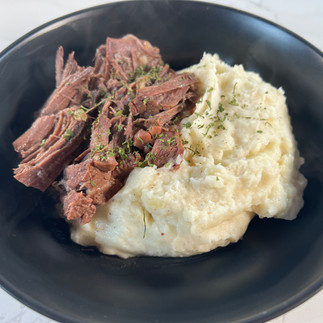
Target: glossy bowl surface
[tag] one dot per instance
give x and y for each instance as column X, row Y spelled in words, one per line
column 276, row 266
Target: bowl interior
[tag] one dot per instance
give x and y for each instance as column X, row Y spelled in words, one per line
column 278, row 263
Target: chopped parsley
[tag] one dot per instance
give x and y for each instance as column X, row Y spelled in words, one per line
column 80, row 115
column 84, row 108
column 176, row 119
column 150, row 157
column 234, row 98
column 195, row 150
column 128, row 144
column 140, row 139
column 171, row 141
column 125, row 85
column 104, row 155
column 121, row 152
column 208, row 127
column 145, row 226
column 68, row 134
column 153, row 74
column 146, row 100
column 119, row 127
column 221, row 109
column 98, row 148
column 140, row 71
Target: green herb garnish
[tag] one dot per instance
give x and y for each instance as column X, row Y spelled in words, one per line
column 80, row 115
column 68, row 134
column 146, row 100
column 145, row 226
column 187, row 124
column 234, row 99
column 121, row 152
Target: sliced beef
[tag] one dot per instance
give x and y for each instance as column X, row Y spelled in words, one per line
column 74, row 176
column 31, row 140
column 87, row 184
column 159, row 120
column 167, row 148
column 63, row 71
column 52, row 155
column 164, row 92
column 71, row 67
column 101, row 152
column 119, row 114
column 142, row 138
column 125, row 55
column 98, row 184
column 69, row 92
column 59, row 65
column 78, row 206
column 86, row 177
column 153, row 99
column 99, row 65
column 129, row 128
column 126, row 166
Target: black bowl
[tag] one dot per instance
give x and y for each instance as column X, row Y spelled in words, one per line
column 277, row 265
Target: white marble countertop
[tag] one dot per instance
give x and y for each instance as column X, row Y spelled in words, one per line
column 18, row 17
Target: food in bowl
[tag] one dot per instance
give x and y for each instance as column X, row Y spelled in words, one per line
column 224, row 153
column 120, row 114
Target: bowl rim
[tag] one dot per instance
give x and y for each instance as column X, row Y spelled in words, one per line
column 36, row 305
column 34, row 31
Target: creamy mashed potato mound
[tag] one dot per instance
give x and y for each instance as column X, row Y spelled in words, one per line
column 240, row 159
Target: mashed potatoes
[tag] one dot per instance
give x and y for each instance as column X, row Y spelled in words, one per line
column 240, row 159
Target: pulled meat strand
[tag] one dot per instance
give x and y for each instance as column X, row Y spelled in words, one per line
column 119, row 114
